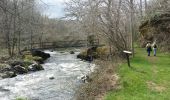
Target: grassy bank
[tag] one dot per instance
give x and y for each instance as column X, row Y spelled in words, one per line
column 147, row 80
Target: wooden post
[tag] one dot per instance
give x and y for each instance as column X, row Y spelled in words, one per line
column 127, row 56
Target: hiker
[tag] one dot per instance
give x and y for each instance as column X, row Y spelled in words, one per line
column 154, row 48
column 149, row 48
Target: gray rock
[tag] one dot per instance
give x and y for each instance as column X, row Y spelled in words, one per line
column 72, row 52
column 51, row 78
column 86, row 79
column 8, row 74
column 5, row 67
column 15, row 63
column 35, row 67
column 20, row 70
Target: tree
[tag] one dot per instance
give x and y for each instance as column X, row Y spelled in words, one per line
column 132, row 26
column 109, row 20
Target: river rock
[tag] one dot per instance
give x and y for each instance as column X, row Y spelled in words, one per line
column 72, row 52
column 51, row 78
column 86, row 79
column 35, row 67
column 8, row 74
column 40, row 54
column 89, row 55
column 20, row 70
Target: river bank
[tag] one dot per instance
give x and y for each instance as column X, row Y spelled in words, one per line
column 104, row 77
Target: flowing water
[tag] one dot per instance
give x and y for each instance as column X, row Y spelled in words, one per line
column 64, row 67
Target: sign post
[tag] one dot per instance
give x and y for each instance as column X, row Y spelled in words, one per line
column 127, row 56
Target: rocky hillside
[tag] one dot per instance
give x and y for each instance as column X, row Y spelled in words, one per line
column 157, row 29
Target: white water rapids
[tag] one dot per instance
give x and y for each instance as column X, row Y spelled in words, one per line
column 64, row 67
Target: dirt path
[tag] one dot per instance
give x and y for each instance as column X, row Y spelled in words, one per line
column 154, row 71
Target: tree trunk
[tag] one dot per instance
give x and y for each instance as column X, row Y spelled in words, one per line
column 132, row 27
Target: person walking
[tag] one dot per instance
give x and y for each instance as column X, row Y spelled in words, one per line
column 149, row 48
column 154, row 48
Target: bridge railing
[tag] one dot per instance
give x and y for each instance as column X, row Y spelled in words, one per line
column 62, row 44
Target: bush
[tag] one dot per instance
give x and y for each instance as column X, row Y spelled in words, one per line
column 102, row 51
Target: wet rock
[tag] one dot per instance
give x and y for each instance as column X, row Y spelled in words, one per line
column 40, row 54
column 51, row 78
column 35, row 67
column 8, row 74
column 40, row 61
column 81, row 56
column 86, row 79
column 20, row 69
column 61, row 52
column 4, row 90
column 89, row 55
column 72, row 52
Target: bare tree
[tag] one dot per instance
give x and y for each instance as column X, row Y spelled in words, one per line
column 109, row 20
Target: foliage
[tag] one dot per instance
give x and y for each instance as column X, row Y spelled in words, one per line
column 102, row 51
column 32, row 58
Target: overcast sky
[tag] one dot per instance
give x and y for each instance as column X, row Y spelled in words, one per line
column 54, row 8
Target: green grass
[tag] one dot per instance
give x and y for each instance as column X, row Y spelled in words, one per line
column 149, row 79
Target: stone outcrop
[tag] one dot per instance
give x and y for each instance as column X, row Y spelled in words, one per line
column 157, row 29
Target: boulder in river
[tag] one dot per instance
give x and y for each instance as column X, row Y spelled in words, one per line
column 72, row 52
column 87, row 56
column 51, row 78
column 41, row 54
column 86, row 79
column 20, row 69
column 35, row 67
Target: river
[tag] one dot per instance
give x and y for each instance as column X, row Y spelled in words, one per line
column 64, row 67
